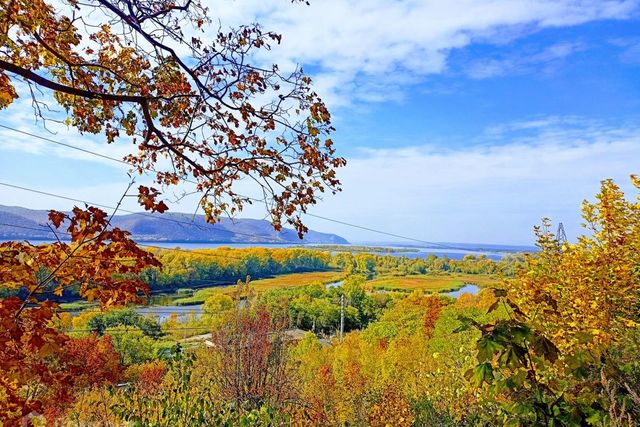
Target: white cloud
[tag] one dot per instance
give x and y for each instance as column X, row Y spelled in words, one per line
column 630, row 50
column 371, row 50
column 545, row 59
column 494, row 192
column 349, row 44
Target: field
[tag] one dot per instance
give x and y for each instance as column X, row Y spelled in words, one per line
column 76, row 306
column 283, row 281
column 432, row 283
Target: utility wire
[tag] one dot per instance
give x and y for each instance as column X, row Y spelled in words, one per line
column 52, row 141
column 442, row 245
column 373, row 230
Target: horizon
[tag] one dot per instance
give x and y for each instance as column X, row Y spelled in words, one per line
column 400, row 242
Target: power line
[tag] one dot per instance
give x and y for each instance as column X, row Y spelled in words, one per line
column 373, row 230
column 442, row 245
column 52, row 141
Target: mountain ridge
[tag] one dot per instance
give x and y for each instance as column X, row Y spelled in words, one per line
column 167, row 227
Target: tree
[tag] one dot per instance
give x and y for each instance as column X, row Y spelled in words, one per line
column 156, row 73
column 83, row 363
column 392, row 409
column 250, row 367
column 573, row 314
column 127, row 318
column 102, row 263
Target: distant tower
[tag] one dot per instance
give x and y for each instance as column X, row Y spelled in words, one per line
column 561, row 236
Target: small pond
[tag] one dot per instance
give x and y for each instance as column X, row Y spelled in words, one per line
column 466, row 289
column 334, row 284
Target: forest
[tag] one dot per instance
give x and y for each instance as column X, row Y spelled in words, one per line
column 552, row 342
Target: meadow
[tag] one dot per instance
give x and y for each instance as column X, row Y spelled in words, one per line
column 279, row 282
column 431, row 283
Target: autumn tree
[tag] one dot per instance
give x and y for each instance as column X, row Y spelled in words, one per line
column 573, row 322
column 250, row 353
column 198, row 108
column 83, row 363
column 157, row 74
column 103, row 263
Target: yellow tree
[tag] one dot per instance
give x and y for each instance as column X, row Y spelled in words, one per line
column 571, row 306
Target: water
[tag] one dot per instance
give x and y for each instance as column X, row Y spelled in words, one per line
column 334, row 284
column 162, row 313
column 466, row 289
column 457, row 250
column 420, row 252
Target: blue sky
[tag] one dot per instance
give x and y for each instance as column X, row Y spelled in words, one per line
column 462, row 120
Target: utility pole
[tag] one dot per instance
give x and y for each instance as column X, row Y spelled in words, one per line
column 341, row 315
column 561, row 236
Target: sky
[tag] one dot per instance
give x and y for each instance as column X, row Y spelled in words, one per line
column 461, row 120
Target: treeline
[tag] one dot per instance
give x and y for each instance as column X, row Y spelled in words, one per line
column 370, row 265
column 225, row 265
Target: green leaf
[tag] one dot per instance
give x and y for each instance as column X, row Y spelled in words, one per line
column 493, row 306
column 481, row 374
column 513, row 357
column 543, row 347
column 487, row 347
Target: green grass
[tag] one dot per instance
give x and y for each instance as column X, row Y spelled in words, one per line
column 431, row 283
column 75, row 306
column 284, row 281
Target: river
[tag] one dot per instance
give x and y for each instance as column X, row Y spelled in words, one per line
column 162, row 313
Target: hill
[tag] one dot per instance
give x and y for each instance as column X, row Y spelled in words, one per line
column 168, row 227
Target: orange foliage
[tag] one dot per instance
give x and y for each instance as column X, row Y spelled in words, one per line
column 83, row 363
column 466, row 301
column 433, row 307
column 111, row 83
column 391, row 410
column 103, row 263
column 148, row 376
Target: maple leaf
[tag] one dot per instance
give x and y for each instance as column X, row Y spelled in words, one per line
column 147, row 198
column 57, row 218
